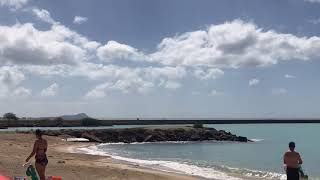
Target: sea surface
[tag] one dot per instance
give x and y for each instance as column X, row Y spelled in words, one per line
column 261, row 159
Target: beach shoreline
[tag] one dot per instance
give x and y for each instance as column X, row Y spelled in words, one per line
column 15, row 147
column 79, row 149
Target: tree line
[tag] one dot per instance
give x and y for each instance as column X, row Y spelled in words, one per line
column 84, row 122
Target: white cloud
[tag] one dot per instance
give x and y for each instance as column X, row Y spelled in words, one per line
column 289, row 76
column 10, row 78
column 115, row 51
column 22, row 92
column 234, row 44
column 138, row 85
column 279, row 91
column 96, row 71
column 99, row 90
column 23, row 44
column 165, row 72
column 313, row 1
column 58, row 47
column 64, row 32
column 52, row 90
column 171, row 85
column 213, row 73
column 122, row 85
column 137, row 80
column 113, row 72
column 314, row 21
column 43, row 15
column 56, row 70
column 77, row 39
column 60, row 51
column 214, row 92
column 254, row 82
column 80, row 19
column 15, row 4
column 95, row 93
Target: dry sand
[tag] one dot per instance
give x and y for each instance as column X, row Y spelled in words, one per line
column 15, row 147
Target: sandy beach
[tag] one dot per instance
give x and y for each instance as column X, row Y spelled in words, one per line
column 15, row 147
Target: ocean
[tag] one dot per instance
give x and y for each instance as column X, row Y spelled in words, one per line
column 261, row 159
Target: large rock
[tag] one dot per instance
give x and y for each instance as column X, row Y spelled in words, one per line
column 91, row 137
column 242, row 139
column 131, row 135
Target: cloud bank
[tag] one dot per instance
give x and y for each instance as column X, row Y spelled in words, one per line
column 80, row 19
column 50, row 91
column 204, row 54
column 14, row 4
column 254, row 82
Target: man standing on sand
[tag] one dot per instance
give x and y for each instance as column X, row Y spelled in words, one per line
column 292, row 161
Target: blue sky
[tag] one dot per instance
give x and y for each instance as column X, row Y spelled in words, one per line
column 164, row 58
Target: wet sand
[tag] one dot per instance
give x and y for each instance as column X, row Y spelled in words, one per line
column 15, row 147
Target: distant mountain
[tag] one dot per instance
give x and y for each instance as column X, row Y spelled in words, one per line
column 75, row 117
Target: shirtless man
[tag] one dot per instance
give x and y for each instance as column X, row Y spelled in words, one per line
column 292, row 162
column 40, row 149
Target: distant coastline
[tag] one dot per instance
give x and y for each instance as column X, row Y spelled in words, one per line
column 45, row 122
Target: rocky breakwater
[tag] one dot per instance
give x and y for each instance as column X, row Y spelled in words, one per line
column 156, row 134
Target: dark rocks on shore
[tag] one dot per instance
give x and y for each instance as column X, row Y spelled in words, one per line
column 131, row 135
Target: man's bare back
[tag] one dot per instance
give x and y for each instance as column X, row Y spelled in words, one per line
column 292, row 159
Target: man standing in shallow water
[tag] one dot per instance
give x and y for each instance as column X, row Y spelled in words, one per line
column 292, row 161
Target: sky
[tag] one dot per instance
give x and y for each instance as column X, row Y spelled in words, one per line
column 161, row 59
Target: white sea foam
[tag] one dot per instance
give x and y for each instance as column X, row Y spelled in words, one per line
column 160, row 142
column 256, row 173
column 219, row 173
column 256, row 140
column 168, row 166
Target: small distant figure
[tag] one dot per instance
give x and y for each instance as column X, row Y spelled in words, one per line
column 39, row 149
column 292, row 162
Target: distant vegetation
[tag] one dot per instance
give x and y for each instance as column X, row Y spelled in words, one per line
column 59, row 121
column 90, row 122
column 198, row 125
column 10, row 116
column 11, row 120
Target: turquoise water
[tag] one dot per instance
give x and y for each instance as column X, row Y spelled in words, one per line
column 227, row 160
column 274, row 142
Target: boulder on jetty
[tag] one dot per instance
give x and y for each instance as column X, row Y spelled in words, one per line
column 155, row 134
